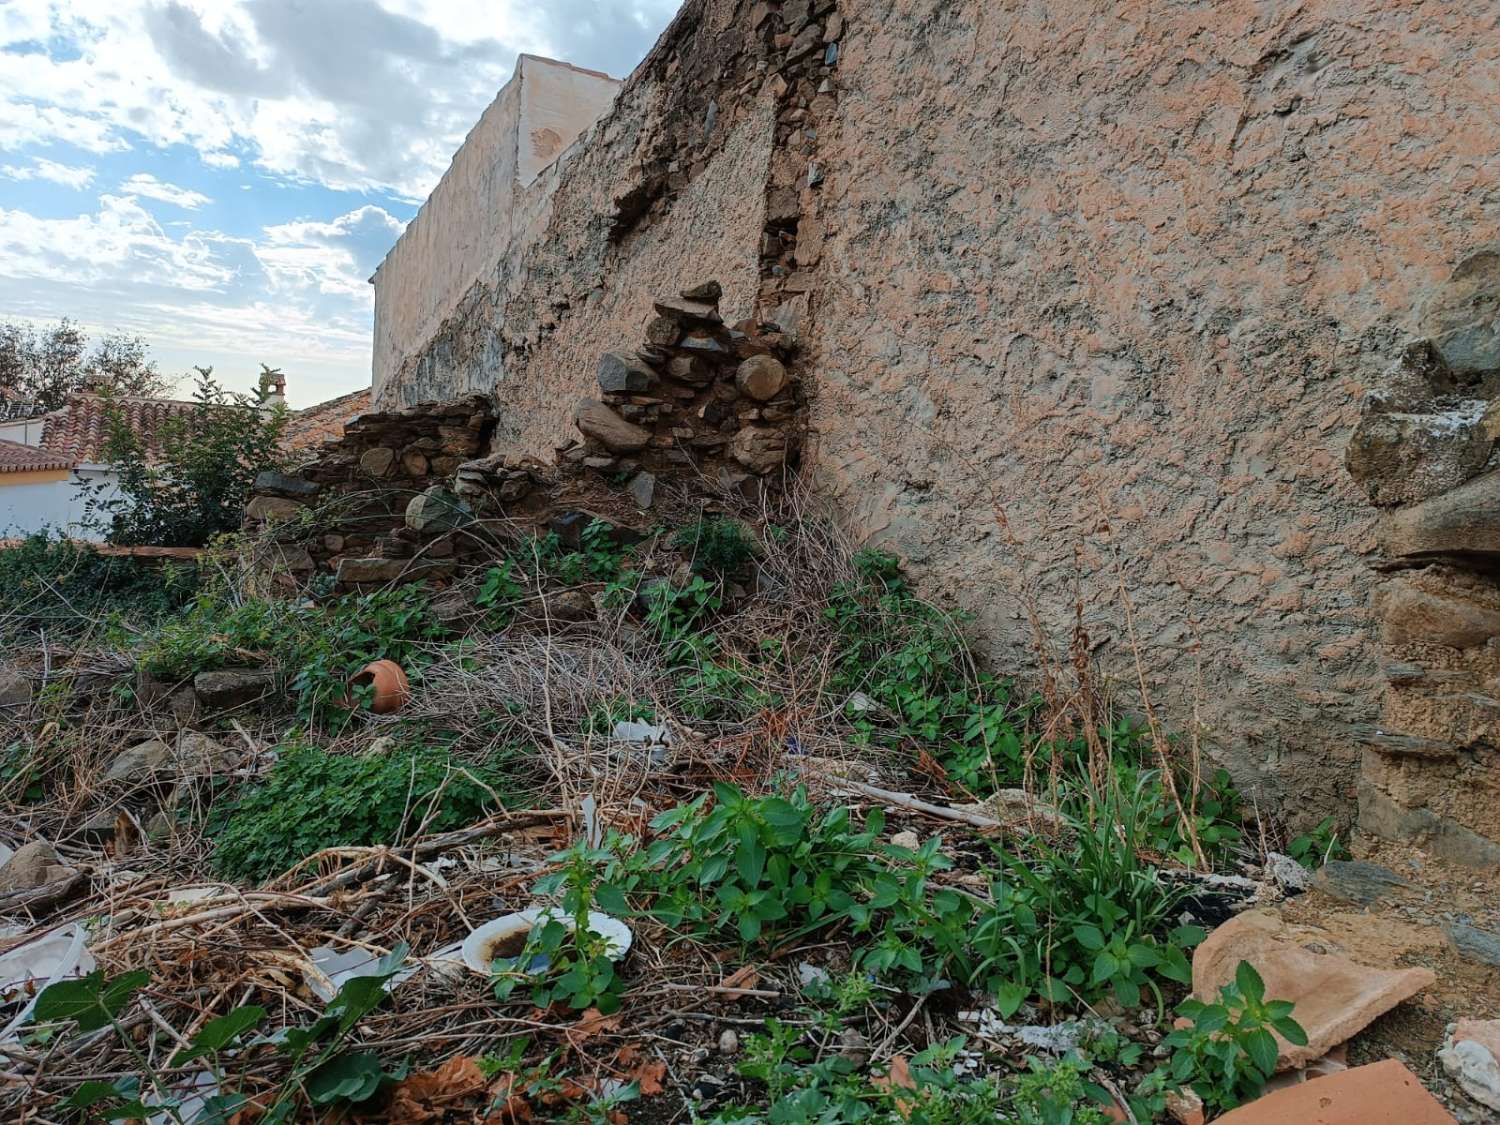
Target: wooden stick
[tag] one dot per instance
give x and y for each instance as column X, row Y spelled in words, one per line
column 439, row 844
column 907, row 801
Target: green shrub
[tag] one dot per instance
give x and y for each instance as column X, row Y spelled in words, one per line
column 718, row 546
column 198, row 484
column 1087, row 917
column 66, row 588
column 909, row 660
column 313, row 800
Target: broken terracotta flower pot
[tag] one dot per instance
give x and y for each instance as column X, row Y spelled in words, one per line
column 391, row 689
column 1335, row 997
column 1383, row 1093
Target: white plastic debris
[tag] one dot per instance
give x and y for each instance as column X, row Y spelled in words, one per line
column 493, row 940
column 859, row 703
column 809, row 974
column 1474, row 1068
column 656, row 738
column 647, row 733
column 1289, row 875
column 593, row 831
column 189, row 896
column 28, row 968
column 330, row 968
column 191, row 1097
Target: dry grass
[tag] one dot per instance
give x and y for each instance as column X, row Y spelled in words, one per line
column 539, row 684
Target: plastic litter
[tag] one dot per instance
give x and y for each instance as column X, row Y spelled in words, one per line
column 27, row 969
column 330, row 968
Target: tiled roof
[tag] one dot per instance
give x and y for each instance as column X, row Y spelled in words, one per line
column 18, row 458
column 80, row 429
column 307, row 429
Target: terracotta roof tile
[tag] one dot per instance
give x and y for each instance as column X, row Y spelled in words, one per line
column 18, row 458
column 307, row 429
column 80, row 429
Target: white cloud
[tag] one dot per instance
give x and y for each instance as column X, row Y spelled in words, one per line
column 40, row 168
column 220, row 159
column 295, row 296
column 143, row 183
column 351, row 94
column 119, row 244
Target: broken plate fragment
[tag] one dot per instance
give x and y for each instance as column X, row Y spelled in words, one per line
column 506, row 937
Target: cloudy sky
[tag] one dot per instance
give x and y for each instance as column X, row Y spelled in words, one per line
column 221, row 177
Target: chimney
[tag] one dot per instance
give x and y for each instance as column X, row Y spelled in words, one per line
column 272, row 388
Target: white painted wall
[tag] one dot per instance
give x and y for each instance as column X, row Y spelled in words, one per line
column 473, row 215
column 27, row 507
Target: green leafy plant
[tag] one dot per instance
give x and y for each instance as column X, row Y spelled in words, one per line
column 194, row 484
column 343, row 801
column 317, row 1065
column 1229, row 1052
column 767, row 869
column 804, row 1085
column 1317, row 846
column 570, row 964
column 93, row 1002
column 1087, row 916
column 500, row 591
column 717, row 545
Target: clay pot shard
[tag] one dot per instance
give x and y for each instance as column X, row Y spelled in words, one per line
column 1335, row 997
column 392, row 691
column 1382, row 1093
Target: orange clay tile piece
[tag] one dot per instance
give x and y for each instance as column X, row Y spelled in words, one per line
column 1335, row 997
column 1383, row 1093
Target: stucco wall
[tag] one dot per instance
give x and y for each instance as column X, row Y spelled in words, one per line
column 1119, row 273
column 484, row 199
column 43, row 501
column 1123, row 274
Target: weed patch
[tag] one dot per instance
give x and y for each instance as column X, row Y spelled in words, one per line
column 313, row 800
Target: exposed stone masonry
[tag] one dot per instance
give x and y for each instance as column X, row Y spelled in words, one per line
column 697, row 394
column 1424, row 454
column 407, row 495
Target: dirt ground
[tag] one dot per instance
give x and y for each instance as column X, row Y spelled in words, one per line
column 1407, row 928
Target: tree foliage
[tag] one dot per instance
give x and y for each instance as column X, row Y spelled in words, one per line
column 209, row 458
column 48, row 365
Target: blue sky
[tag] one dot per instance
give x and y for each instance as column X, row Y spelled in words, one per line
column 221, row 177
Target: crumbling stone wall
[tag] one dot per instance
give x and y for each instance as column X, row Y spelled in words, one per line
column 409, row 494
column 375, row 507
column 1122, row 275
column 1424, row 452
column 1086, row 301
column 702, row 169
